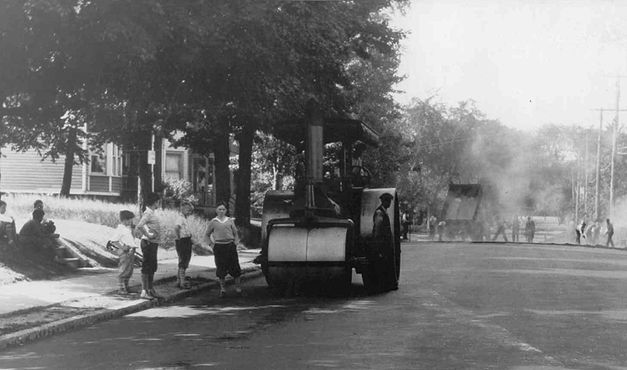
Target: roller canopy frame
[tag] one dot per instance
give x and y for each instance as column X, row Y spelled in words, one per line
column 335, row 130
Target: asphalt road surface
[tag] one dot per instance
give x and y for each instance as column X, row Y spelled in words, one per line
column 459, row 306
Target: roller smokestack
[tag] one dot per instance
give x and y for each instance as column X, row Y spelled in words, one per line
column 314, row 149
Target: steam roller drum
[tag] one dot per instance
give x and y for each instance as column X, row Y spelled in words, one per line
column 298, row 256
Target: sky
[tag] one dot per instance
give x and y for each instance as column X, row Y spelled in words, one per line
column 526, row 63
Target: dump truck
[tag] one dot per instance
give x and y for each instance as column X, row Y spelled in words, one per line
column 318, row 233
column 467, row 211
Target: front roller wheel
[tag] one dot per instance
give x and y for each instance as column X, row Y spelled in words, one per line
column 341, row 285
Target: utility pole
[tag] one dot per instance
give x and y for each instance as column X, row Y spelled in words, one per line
column 585, row 177
column 615, row 126
column 613, row 154
column 575, row 175
column 598, row 165
column 614, row 129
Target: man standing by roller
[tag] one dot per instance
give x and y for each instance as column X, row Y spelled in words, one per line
column 382, row 233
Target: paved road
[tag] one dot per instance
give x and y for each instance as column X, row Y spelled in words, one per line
column 460, row 306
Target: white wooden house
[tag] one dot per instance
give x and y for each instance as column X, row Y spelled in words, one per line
column 106, row 173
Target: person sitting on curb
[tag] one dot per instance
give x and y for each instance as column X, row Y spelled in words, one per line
column 126, row 244
column 8, row 235
column 35, row 237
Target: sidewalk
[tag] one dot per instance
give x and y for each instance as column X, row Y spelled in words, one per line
column 35, row 309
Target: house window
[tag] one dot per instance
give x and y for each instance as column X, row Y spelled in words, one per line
column 106, row 160
column 174, row 165
column 98, row 162
column 116, row 161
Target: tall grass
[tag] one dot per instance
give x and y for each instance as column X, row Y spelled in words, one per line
column 20, row 206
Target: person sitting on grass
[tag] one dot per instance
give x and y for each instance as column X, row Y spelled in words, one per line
column 8, row 234
column 33, row 236
column 48, row 225
column 126, row 244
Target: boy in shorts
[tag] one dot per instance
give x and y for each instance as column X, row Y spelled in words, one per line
column 126, row 244
column 149, row 227
column 183, row 243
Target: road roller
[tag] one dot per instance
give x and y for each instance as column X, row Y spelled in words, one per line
column 315, row 235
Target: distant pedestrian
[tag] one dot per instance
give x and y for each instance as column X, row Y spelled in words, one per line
column 183, row 243
column 433, row 222
column 149, row 227
column 596, row 233
column 441, row 230
column 223, row 235
column 405, row 223
column 500, row 229
column 610, row 233
column 580, row 231
column 530, row 229
column 515, row 229
column 588, row 233
column 126, row 244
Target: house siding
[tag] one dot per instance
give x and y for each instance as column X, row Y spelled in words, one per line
column 25, row 172
column 116, row 184
column 99, row 184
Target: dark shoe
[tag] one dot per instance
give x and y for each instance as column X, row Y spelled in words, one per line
column 222, row 293
column 155, row 294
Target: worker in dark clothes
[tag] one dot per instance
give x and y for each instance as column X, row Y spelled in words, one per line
column 382, row 234
column 500, row 229
column 610, row 234
column 515, row 229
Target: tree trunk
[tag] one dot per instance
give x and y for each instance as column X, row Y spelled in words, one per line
column 222, row 181
column 68, row 165
column 274, row 178
column 143, row 168
column 143, row 173
column 242, row 197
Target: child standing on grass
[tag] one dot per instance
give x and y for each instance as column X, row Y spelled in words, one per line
column 223, row 234
column 126, row 243
column 183, row 243
column 149, row 226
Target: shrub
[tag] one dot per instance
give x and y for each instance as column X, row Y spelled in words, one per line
column 179, row 190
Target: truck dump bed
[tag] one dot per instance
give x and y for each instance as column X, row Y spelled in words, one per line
column 462, row 202
column 462, row 212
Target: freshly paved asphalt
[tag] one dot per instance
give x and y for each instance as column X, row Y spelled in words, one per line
column 459, row 306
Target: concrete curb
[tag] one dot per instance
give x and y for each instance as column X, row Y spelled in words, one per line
column 46, row 330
